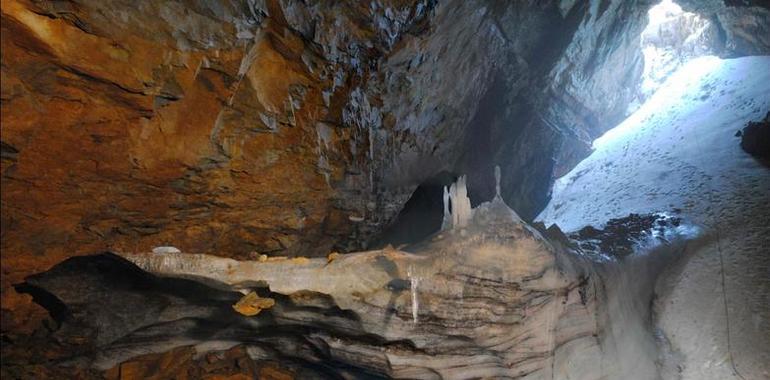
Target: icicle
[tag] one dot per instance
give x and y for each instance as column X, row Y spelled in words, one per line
column 413, row 283
column 447, row 216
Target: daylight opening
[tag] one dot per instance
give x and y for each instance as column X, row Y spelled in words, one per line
column 672, row 38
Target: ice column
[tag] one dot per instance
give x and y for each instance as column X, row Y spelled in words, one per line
column 447, row 216
column 461, row 205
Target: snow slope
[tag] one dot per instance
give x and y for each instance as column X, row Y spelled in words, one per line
column 679, row 152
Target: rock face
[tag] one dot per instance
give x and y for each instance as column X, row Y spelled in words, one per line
column 285, row 127
column 744, row 25
column 492, row 299
column 620, row 237
column 755, row 138
column 672, row 38
column 495, row 299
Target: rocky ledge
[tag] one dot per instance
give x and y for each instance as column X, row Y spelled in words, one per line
column 493, row 298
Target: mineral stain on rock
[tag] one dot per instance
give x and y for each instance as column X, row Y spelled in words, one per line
column 252, row 304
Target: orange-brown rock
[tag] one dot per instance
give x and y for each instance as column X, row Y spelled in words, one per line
column 181, row 363
column 128, row 127
column 251, row 304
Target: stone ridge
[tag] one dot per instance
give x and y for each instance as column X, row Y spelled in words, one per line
column 491, row 302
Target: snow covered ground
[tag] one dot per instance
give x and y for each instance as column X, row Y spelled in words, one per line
column 679, row 152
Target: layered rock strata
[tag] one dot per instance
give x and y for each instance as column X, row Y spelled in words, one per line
column 493, row 299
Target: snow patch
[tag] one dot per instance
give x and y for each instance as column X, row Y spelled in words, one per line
column 667, row 153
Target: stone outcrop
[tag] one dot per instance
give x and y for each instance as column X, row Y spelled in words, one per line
column 493, row 300
column 744, row 25
column 755, row 138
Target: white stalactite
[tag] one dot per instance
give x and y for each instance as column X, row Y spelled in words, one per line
column 461, row 205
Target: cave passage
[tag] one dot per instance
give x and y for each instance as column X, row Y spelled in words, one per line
column 672, row 38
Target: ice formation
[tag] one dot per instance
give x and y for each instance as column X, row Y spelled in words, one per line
column 414, row 281
column 447, row 215
column 166, row 249
column 461, row 212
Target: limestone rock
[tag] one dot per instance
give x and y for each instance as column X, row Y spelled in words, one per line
column 495, row 300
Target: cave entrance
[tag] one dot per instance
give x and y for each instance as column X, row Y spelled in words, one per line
column 422, row 214
column 672, row 38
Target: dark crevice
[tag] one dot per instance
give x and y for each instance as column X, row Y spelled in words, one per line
column 422, row 214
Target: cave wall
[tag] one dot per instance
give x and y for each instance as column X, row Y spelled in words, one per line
column 290, row 128
column 744, row 25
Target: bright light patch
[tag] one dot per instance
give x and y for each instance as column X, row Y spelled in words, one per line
column 672, row 38
column 682, row 88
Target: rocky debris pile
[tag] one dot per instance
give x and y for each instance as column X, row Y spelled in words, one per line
column 755, row 138
column 622, row 237
column 185, row 363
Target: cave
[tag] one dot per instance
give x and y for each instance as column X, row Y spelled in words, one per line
column 418, row 189
column 421, row 216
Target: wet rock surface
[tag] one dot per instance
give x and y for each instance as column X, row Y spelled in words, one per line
column 755, row 138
